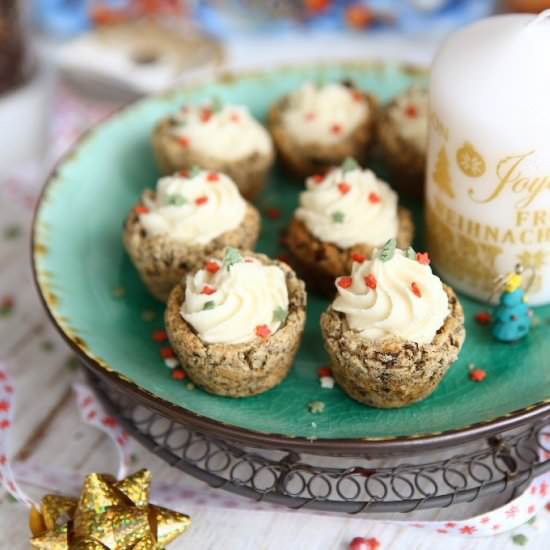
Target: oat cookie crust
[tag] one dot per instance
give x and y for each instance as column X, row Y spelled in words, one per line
column 406, row 163
column 249, row 174
column 306, row 160
column 319, row 263
column 394, row 372
column 239, row 370
column 162, row 261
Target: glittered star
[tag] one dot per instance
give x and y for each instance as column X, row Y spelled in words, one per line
column 108, row 515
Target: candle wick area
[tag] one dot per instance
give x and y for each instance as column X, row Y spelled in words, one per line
column 539, row 18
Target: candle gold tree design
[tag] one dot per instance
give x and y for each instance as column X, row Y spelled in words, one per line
column 467, row 259
column 442, row 174
column 535, row 260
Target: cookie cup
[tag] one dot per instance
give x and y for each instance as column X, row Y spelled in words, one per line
column 394, row 372
column 304, row 160
column 239, row 370
column 406, row 163
column 162, row 261
column 249, row 173
column 319, row 263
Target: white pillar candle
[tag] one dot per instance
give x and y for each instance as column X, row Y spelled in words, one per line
column 488, row 171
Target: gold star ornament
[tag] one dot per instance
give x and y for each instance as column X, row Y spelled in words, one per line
column 108, row 515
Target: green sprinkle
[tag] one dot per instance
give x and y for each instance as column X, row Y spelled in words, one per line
column 176, row 200
column 280, row 315
column 10, row 498
column 410, row 253
column 316, row 407
column 119, row 291
column 232, row 257
column 349, row 165
column 216, row 104
column 148, row 315
column 194, row 171
column 72, row 364
column 12, row 232
column 387, row 252
column 6, row 306
column 47, row 345
column 337, row 217
column 209, row 305
column 520, row 540
column 532, row 520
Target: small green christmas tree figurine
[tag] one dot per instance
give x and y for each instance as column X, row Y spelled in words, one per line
column 511, row 317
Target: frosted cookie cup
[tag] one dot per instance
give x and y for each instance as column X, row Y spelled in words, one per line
column 185, row 219
column 237, row 322
column 343, row 216
column 403, row 138
column 393, row 330
column 318, row 126
column 223, row 138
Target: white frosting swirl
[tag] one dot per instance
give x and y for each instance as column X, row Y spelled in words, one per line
column 227, row 133
column 349, row 207
column 324, row 114
column 195, row 208
column 399, row 298
column 409, row 113
column 235, row 305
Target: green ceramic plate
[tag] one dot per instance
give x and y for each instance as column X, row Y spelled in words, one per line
column 97, row 301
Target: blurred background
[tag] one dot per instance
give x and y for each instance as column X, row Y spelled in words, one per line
column 66, row 63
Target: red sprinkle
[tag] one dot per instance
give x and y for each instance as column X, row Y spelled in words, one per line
column 109, row 421
column 370, row 281
column 336, row 128
column 160, row 336
column 213, row 177
column 263, row 331
column 179, row 374
column 478, row 375
column 212, row 266
column 484, row 318
column 374, row 198
column 359, row 258
column 234, row 117
column 359, row 543
column 325, row 371
column 344, row 282
column 167, row 352
column 416, row 290
column 273, row 213
column 357, row 95
column 411, row 111
column 208, row 290
column 310, row 116
column 318, row 178
column 344, row 188
column 184, row 173
column 201, row 200
column 140, row 209
column 423, row 258
column 206, row 115
column 184, row 141
column 547, row 506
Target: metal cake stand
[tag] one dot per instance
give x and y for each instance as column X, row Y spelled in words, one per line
column 351, row 482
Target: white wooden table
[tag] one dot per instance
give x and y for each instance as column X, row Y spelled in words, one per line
column 48, row 430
